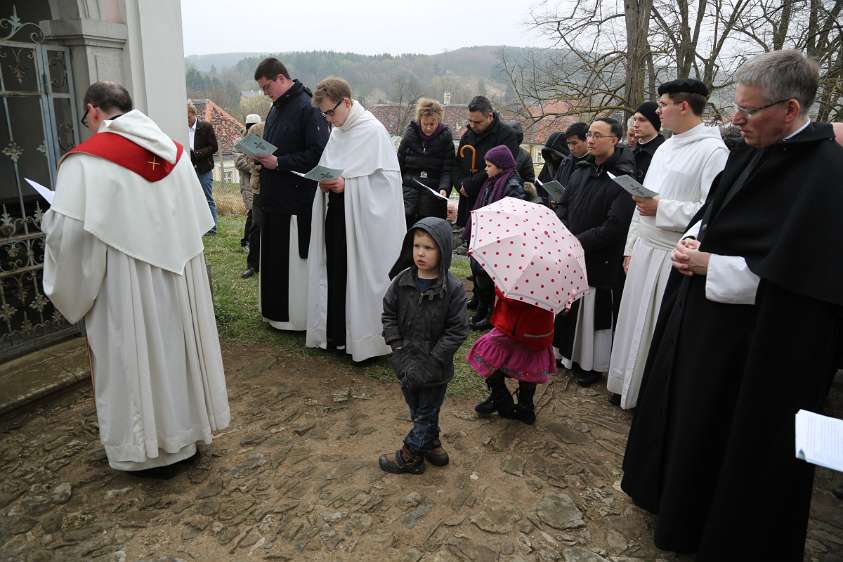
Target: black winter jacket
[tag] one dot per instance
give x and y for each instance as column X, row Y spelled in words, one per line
column 426, row 329
column 597, row 211
column 429, row 162
column 300, row 132
column 644, row 155
column 497, row 133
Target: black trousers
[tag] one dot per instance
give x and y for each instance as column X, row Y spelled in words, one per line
column 337, row 268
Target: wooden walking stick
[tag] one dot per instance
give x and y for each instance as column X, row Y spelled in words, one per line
column 473, row 167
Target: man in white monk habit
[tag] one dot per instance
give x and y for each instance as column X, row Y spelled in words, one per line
column 358, row 227
column 124, row 251
column 681, row 172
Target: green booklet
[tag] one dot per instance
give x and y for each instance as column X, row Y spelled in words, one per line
column 553, row 188
column 254, row 146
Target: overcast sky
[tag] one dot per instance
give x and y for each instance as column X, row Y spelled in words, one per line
column 365, row 26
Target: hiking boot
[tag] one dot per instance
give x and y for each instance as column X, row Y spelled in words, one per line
column 437, row 455
column 404, row 462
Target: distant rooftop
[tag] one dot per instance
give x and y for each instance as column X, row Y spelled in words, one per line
column 227, row 129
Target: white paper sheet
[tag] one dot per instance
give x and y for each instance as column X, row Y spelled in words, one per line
column 819, row 440
column 44, row 192
column 433, row 191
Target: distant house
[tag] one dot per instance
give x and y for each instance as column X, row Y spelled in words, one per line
column 228, row 130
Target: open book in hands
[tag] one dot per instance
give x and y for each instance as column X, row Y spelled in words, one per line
column 553, row 188
column 631, row 185
column 254, row 146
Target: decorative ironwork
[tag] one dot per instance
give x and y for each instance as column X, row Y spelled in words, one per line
column 14, row 24
column 37, row 125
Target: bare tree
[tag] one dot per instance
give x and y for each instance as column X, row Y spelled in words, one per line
column 606, row 56
column 406, row 91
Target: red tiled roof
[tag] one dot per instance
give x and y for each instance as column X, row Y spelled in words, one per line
column 227, row 129
column 456, row 117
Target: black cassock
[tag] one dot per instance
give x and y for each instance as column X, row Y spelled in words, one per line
column 711, row 448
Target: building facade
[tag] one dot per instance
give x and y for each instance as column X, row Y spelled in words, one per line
column 50, row 52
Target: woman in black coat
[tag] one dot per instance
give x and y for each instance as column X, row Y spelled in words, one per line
column 426, row 155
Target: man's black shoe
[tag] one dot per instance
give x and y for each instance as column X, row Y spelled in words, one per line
column 587, row 378
column 614, row 399
column 248, row 273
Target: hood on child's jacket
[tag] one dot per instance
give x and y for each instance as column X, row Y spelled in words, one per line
column 440, row 231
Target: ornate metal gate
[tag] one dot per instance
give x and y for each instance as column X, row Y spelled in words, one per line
column 37, row 126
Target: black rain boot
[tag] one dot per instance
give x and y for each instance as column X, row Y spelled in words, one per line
column 504, row 403
column 487, row 407
column 525, row 410
column 404, row 462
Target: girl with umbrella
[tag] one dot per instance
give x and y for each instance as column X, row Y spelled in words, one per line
column 538, row 270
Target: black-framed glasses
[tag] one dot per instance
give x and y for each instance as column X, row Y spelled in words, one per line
column 330, row 112
column 84, row 119
column 750, row 111
column 597, row 136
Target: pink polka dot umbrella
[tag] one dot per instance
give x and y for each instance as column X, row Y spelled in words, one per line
column 528, row 253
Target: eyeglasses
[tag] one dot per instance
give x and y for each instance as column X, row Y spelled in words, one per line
column 330, row 112
column 84, row 119
column 597, row 136
column 750, row 111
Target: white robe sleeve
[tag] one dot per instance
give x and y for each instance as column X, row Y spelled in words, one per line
column 730, row 281
column 74, row 265
column 632, row 235
column 675, row 215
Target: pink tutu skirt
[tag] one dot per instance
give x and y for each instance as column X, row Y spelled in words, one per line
column 495, row 351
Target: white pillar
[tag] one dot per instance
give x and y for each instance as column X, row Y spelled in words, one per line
column 155, row 56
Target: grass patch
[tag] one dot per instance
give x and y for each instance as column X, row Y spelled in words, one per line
column 239, row 321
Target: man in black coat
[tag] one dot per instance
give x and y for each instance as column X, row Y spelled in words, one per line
column 297, row 128
column 750, row 331
column 575, row 138
column 646, row 125
column 203, row 146
column 485, row 131
column 597, row 211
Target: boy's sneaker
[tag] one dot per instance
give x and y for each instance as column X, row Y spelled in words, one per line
column 437, row 455
column 404, row 462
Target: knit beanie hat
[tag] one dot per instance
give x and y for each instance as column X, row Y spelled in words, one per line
column 648, row 110
column 501, row 157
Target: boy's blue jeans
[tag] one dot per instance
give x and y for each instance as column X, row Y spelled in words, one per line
column 424, row 403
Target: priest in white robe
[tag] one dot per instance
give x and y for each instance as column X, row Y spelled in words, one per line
column 124, row 252
column 357, row 228
column 681, row 172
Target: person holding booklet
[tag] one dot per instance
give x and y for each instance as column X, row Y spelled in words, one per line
column 750, row 331
column 298, row 131
column 124, row 252
column 597, row 211
column 358, row 227
column 680, row 173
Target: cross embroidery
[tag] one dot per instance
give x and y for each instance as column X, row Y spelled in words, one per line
column 154, row 163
